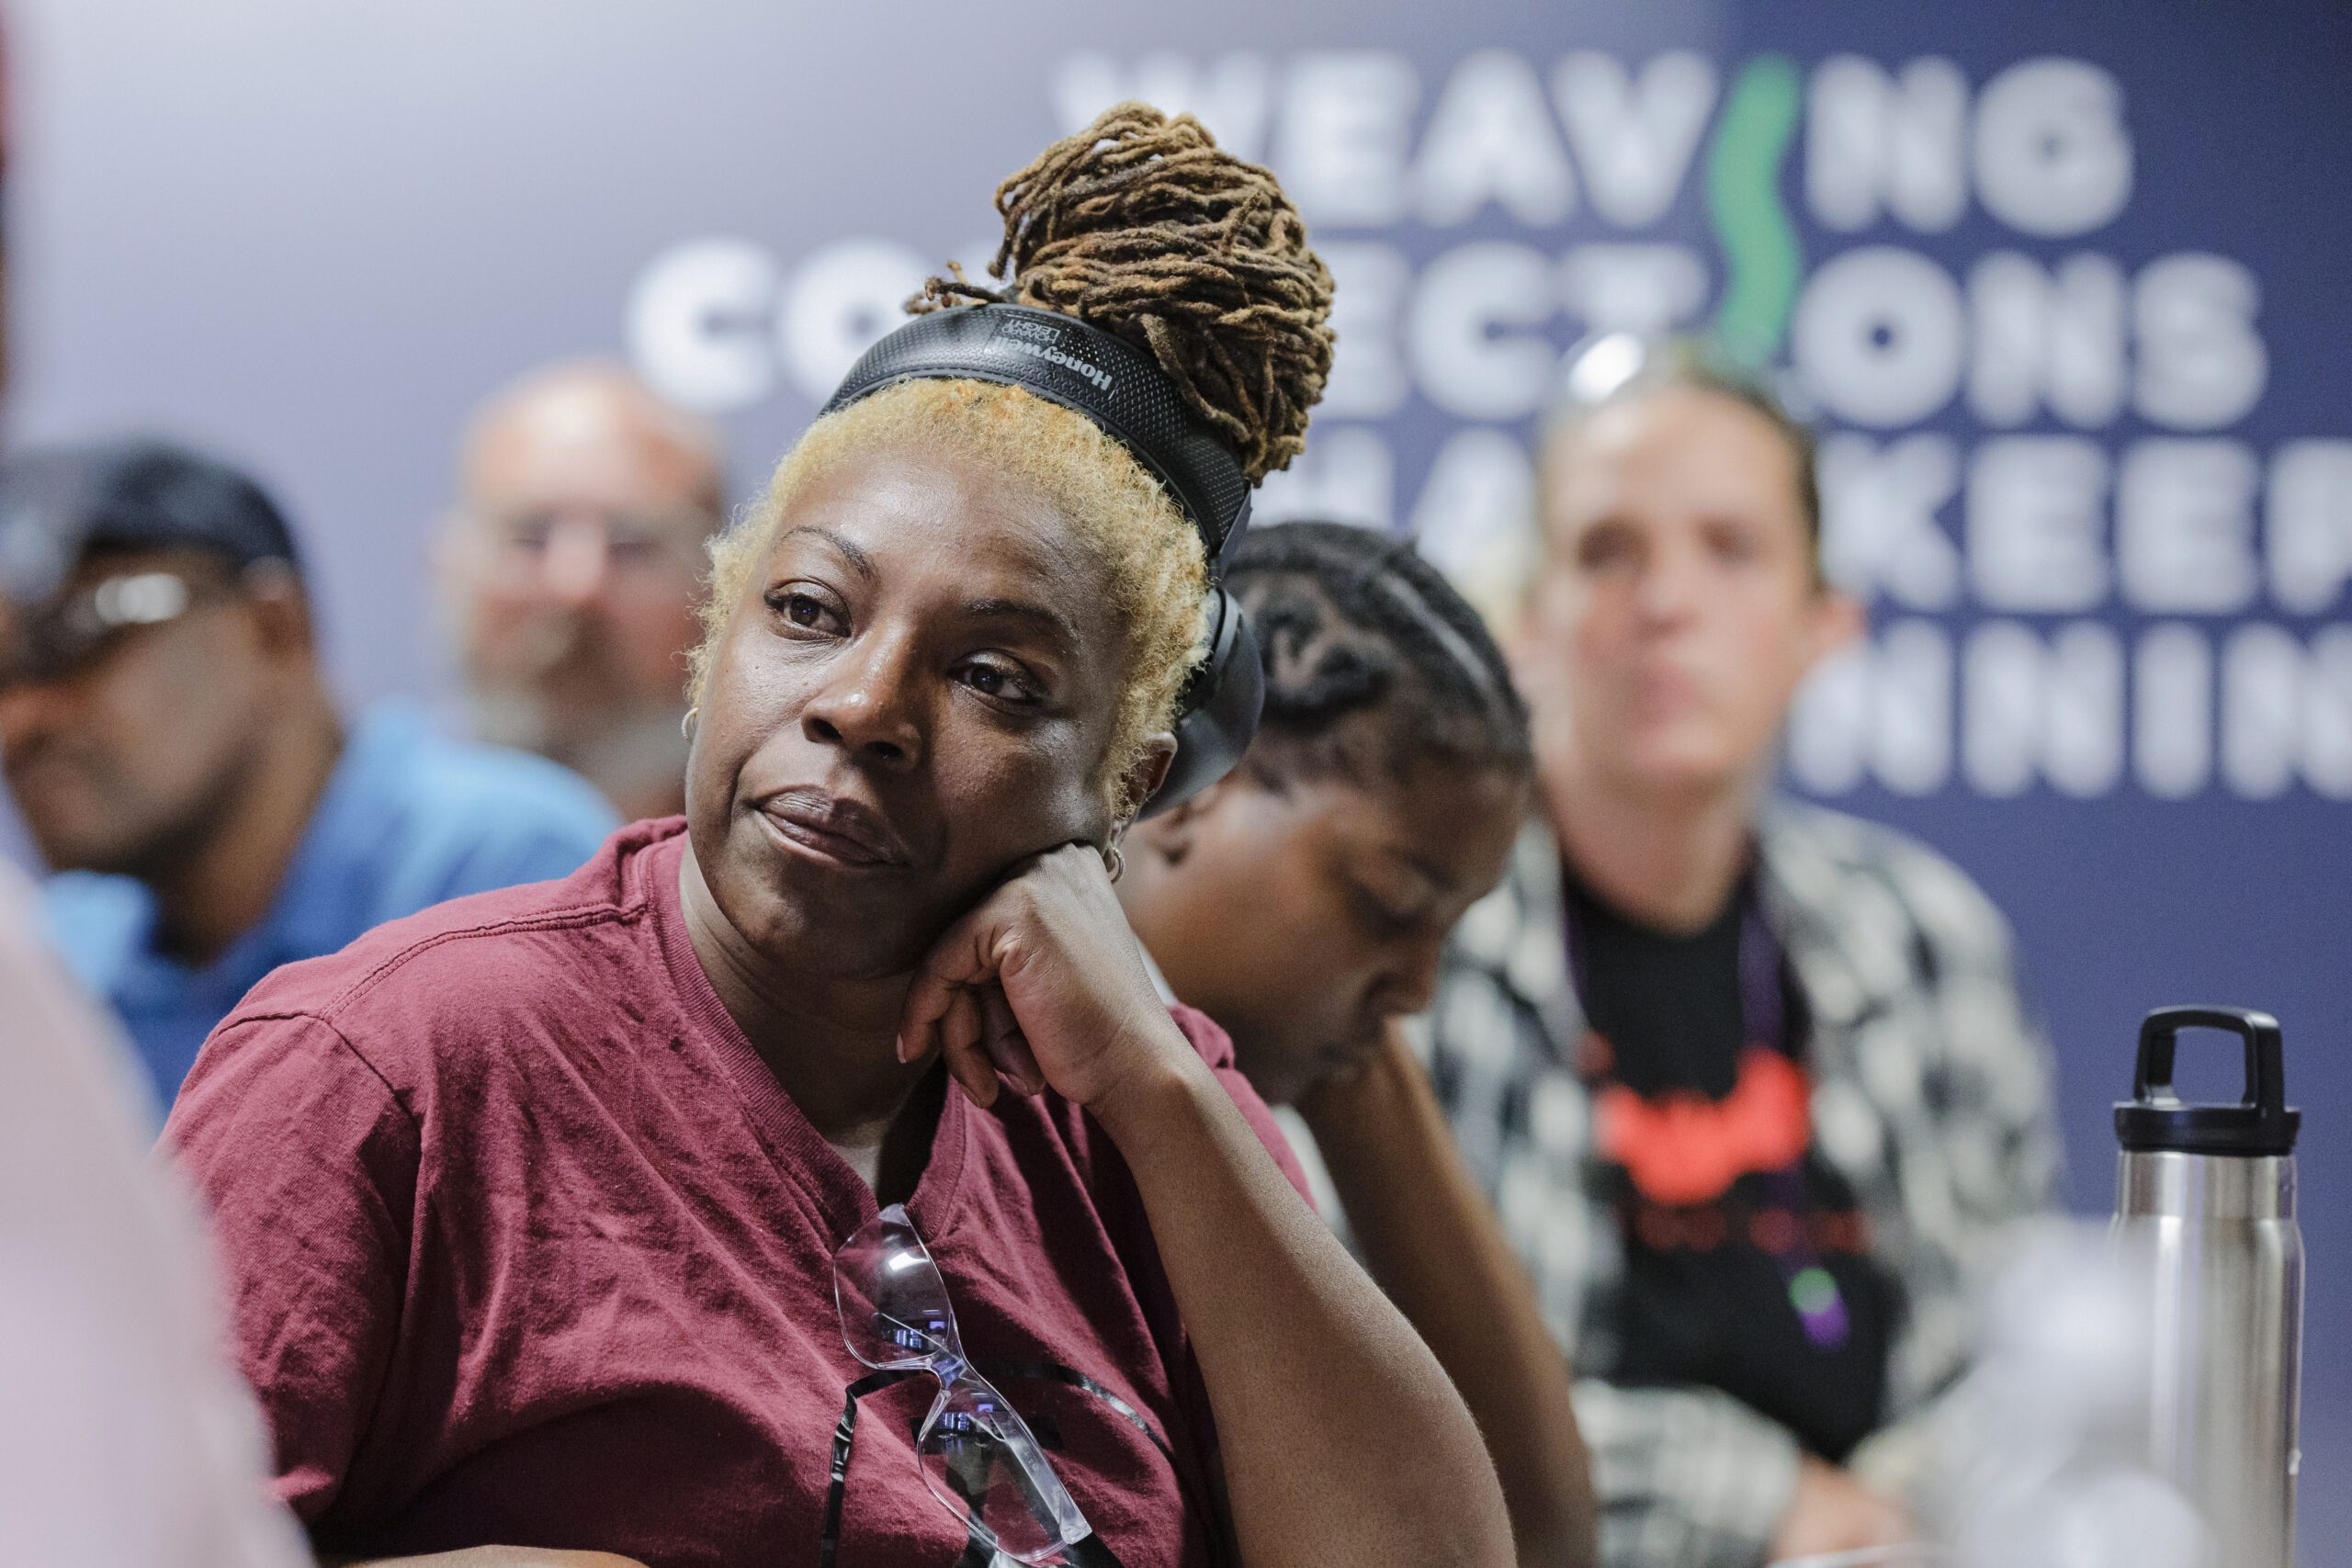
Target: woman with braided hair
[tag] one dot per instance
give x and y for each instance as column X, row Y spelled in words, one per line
column 1302, row 902
column 817, row 1179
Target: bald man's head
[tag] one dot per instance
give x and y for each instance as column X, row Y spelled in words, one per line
column 591, row 418
column 570, row 568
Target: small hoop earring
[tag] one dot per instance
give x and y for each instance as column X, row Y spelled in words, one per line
column 686, row 725
column 1114, row 862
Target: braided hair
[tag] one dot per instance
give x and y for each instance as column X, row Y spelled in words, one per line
column 1139, row 225
column 1373, row 663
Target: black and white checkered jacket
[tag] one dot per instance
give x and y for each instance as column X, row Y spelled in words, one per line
column 1930, row 1095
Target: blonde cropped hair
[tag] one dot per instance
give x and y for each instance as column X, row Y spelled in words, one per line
column 1155, row 566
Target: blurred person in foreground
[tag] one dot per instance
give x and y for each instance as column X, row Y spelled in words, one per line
column 1750, row 1079
column 169, row 739
column 569, row 572
column 651, row 1211
column 1301, row 902
column 123, row 1438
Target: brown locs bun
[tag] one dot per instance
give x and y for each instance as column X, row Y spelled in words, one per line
column 1139, row 225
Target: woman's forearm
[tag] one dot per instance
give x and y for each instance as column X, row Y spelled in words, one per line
column 1434, row 1244
column 1343, row 1443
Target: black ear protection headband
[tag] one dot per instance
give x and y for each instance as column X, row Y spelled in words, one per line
column 1121, row 389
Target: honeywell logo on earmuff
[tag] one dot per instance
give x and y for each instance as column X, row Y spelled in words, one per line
column 1018, row 333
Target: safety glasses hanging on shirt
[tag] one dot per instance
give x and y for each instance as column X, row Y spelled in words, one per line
column 72, row 634
column 975, row 1453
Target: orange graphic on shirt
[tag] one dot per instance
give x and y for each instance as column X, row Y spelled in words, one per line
column 1683, row 1148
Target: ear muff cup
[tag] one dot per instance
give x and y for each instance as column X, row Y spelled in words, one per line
column 1217, row 715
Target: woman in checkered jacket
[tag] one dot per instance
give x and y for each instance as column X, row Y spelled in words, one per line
column 1749, row 1080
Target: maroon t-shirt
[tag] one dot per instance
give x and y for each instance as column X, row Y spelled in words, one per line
column 526, row 1244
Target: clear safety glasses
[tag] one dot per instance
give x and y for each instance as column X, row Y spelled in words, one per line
column 975, row 1453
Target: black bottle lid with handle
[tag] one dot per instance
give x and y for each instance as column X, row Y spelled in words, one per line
column 2157, row 1119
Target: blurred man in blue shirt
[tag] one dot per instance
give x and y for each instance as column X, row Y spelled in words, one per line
column 171, row 743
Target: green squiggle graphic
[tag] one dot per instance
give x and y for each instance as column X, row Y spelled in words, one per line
column 1761, row 261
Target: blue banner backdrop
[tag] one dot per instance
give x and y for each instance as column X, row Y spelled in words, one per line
column 2063, row 286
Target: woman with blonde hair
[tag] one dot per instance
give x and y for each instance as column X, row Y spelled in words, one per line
column 819, row 1178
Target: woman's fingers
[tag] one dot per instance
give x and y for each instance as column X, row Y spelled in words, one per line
column 956, row 961
column 959, row 1027
column 960, row 1050
column 982, row 1043
column 943, row 1007
column 1007, row 1046
column 960, row 1047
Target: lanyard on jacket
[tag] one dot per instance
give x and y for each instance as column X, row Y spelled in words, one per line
column 1813, row 1291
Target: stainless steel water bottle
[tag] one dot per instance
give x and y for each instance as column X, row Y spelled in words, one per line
column 2205, row 1216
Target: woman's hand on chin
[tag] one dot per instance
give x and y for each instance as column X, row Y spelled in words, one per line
column 1041, row 986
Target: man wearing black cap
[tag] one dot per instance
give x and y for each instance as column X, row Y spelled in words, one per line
column 170, row 740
